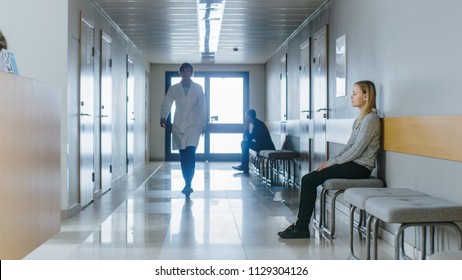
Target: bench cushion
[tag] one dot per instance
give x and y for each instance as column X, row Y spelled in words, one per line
column 279, row 154
column 254, row 153
column 358, row 196
column 416, row 209
column 343, row 184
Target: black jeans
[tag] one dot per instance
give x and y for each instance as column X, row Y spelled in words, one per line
column 188, row 164
column 312, row 180
column 245, row 146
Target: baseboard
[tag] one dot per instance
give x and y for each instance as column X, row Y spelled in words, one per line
column 73, row 210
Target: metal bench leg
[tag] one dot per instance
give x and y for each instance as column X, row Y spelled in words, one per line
column 319, row 223
column 368, row 237
column 375, row 236
column 432, row 240
column 424, row 243
column 352, row 213
column 330, row 230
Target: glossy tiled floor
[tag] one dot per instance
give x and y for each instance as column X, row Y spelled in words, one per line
column 229, row 216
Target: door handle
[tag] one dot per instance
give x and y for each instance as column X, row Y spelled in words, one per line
column 83, row 114
column 308, row 115
column 322, row 109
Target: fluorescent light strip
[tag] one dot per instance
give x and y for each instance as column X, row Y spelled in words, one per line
column 210, row 17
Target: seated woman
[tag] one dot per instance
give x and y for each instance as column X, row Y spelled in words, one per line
column 355, row 161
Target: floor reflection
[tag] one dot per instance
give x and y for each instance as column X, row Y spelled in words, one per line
column 186, row 234
column 229, row 216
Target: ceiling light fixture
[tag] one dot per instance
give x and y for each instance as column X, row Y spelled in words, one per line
column 210, row 17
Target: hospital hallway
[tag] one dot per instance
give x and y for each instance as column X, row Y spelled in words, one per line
column 229, row 216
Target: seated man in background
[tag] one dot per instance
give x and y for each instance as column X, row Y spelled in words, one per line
column 257, row 140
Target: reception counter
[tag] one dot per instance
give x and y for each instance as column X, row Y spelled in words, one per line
column 29, row 164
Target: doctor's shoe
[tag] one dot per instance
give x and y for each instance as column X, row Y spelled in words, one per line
column 187, row 190
column 241, row 168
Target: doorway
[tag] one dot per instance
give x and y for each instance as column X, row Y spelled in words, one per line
column 130, row 117
column 320, row 112
column 227, row 98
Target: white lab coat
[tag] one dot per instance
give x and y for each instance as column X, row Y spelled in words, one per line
column 190, row 114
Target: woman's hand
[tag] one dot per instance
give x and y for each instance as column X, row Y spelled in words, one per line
column 322, row 166
column 162, row 122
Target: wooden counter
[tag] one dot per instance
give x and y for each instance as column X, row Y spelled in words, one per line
column 29, row 164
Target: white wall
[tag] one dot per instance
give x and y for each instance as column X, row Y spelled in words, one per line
column 36, row 35
column 411, row 50
column 36, row 32
column 157, row 93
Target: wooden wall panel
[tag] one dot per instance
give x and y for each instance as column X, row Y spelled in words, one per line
column 431, row 136
column 29, row 164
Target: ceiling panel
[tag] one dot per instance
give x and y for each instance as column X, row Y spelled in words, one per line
column 166, row 31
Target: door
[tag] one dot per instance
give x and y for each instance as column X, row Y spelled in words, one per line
column 106, row 112
column 305, row 109
column 130, row 114
column 147, row 120
column 227, row 105
column 86, row 125
column 283, row 77
column 226, row 96
column 320, row 113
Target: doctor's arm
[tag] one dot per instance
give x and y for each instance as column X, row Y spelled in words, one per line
column 166, row 107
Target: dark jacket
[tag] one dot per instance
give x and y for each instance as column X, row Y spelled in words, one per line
column 260, row 135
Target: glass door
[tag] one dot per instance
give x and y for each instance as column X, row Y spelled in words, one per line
column 227, row 99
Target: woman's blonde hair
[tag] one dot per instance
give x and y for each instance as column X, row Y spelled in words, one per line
column 368, row 88
column 3, row 44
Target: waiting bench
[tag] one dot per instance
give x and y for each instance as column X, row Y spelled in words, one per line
column 357, row 198
column 279, row 162
column 268, row 165
column 405, row 207
column 339, row 186
column 413, row 212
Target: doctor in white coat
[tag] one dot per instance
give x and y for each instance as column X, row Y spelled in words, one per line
column 189, row 122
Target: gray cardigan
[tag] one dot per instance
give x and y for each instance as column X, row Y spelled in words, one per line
column 363, row 144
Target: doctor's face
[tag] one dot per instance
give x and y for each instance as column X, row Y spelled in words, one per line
column 186, row 73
